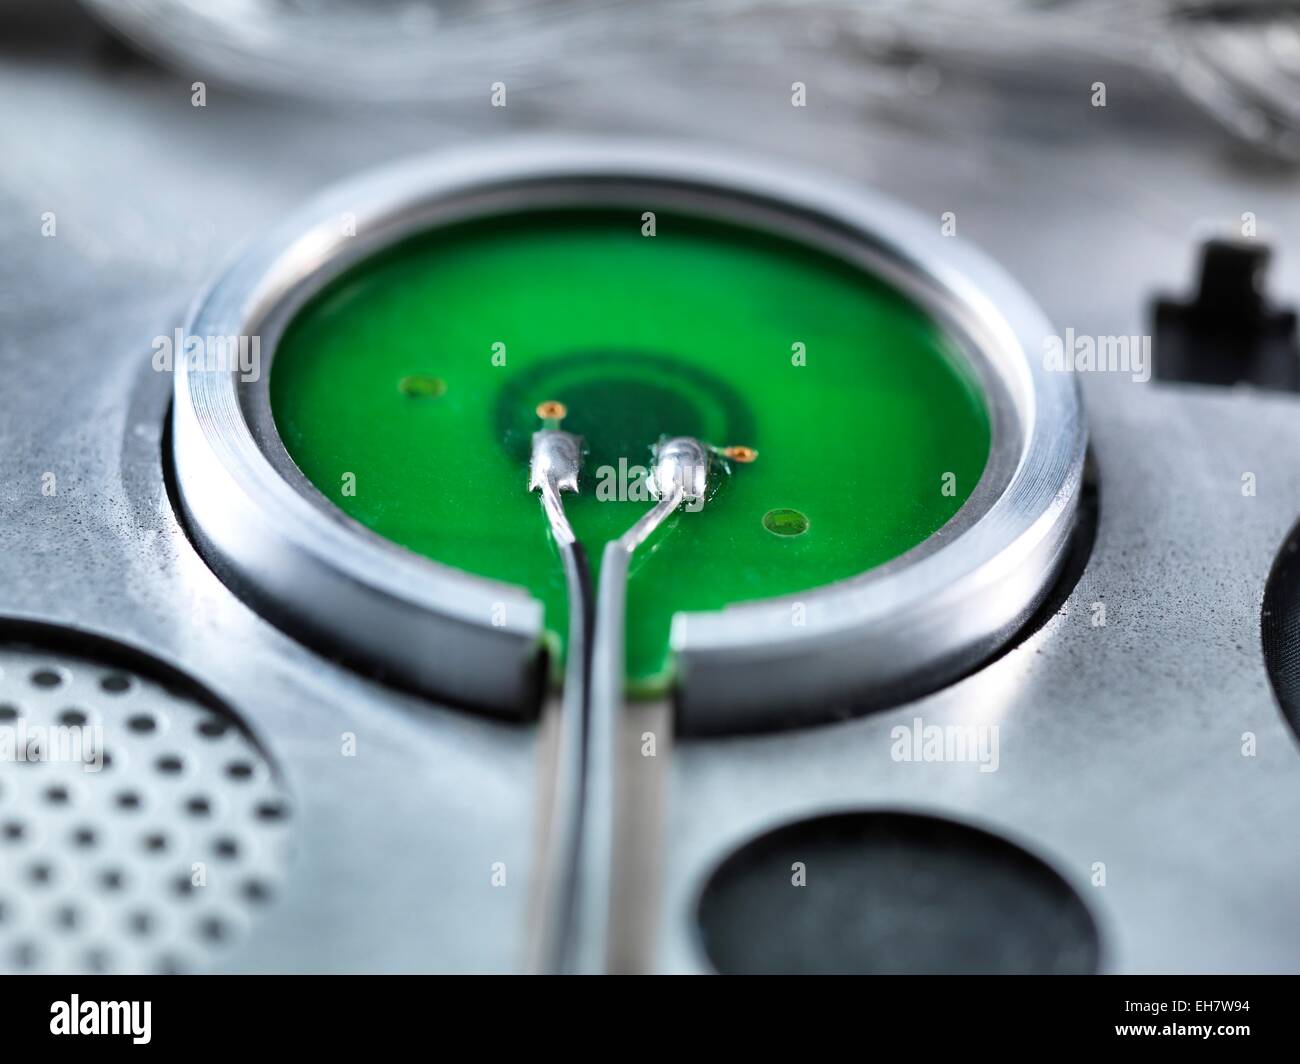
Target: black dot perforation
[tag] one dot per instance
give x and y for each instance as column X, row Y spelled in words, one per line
column 146, row 831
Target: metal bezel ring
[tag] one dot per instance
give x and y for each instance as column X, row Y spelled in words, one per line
column 884, row 635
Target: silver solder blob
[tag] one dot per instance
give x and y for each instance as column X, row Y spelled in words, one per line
column 682, row 463
column 553, row 468
column 680, row 475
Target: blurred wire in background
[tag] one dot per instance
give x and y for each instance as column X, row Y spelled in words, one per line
column 1238, row 60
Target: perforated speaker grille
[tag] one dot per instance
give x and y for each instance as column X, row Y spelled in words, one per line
column 157, row 861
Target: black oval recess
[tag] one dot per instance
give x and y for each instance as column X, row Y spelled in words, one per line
column 1280, row 628
column 896, row 893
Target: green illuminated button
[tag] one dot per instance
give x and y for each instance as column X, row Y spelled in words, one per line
column 869, row 431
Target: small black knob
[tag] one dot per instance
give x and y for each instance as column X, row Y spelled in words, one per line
column 1229, row 333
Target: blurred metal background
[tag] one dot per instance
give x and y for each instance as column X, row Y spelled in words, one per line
column 1120, row 744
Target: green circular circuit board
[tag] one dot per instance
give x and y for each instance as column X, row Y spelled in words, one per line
column 407, row 392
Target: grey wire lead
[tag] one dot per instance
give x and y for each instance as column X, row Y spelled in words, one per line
column 554, row 468
column 679, row 476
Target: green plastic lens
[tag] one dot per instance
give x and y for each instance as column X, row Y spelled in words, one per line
column 407, row 392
